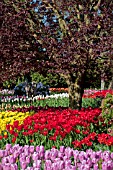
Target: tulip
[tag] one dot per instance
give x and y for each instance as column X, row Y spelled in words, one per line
column 8, row 146
column 47, row 155
column 62, row 149
column 28, row 159
column 61, row 165
column 42, row 149
column 60, row 155
column 57, row 160
column 31, row 149
column 14, row 167
column 65, row 158
column 67, row 163
column 30, row 168
column 35, row 156
column 48, row 163
column 38, row 163
column 26, row 152
column 37, row 148
column 23, row 165
column 2, row 153
column 95, row 166
column 5, row 153
column 5, row 160
column 7, row 166
column 16, row 154
column 12, row 160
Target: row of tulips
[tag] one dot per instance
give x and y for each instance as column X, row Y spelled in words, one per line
column 8, row 117
column 80, row 129
column 90, row 99
column 87, row 94
column 60, row 101
column 36, row 158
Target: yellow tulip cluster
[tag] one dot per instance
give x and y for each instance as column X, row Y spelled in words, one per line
column 8, row 117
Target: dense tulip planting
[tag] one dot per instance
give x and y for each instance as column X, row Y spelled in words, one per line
column 61, row 99
column 51, row 138
column 9, row 117
column 36, row 158
column 79, row 129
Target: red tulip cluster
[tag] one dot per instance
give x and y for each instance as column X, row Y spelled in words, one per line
column 62, row 123
column 102, row 93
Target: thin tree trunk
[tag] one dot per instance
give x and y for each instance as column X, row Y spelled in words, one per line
column 111, row 84
column 102, row 84
column 76, row 91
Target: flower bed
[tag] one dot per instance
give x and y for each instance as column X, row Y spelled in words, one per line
column 91, row 98
column 28, row 135
column 36, row 158
column 79, row 129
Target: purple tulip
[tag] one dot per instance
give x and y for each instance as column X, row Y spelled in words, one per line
column 1, row 167
column 111, row 155
column 65, row 158
column 75, row 154
column 31, row 149
column 26, row 147
column 20, row 149
column 67, row 163
column 42, row 149
column 95, row 166
column 27, row 159
column 53, row 153
column 22, row 159
column 7, row 166
column 60, row 155
column 48, row 163
column 23, row 165
column 5, row 153
column 5, row 160
column 14, row 167
column 62, row 149
column 16, row 154
column 35, row 156
column 47, row 155
column 11, row 151
column 26, row 152
column 12, row 160
column 61, row 165
column 34, row 164
column 57, row 160
column 54, row 166
column 41, row 155
column 37, row 148
column 8, row 146
column 15, row 147
column 2, row 153
column 38, row 163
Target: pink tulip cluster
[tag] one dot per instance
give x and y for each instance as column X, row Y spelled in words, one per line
column 37, row 158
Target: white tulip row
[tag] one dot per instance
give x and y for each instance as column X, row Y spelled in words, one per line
column 24, row 99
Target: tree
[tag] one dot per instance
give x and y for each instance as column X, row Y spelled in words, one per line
column 18, row 48
column 74, row 44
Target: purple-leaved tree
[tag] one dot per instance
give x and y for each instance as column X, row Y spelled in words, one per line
column 76, row 38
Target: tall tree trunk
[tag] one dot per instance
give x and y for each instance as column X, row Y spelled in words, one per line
column 102, row 84
column 111, row 84
column 76, row 91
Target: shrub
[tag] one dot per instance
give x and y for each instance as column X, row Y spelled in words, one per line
column 107, row 111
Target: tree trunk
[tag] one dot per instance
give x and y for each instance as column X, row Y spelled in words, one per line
column 76, row 91
column 111, row 84
column 102, row 84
